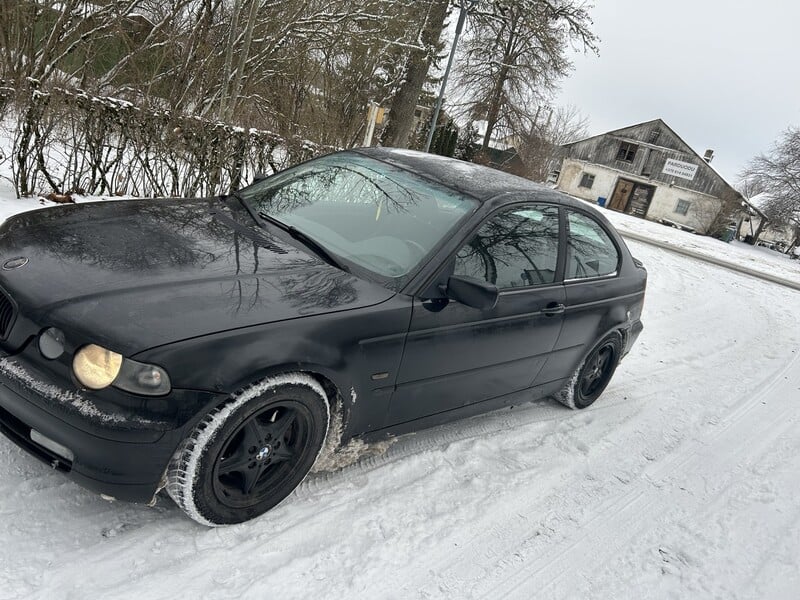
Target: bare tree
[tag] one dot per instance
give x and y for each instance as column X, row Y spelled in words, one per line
column 539, row 144
column 777, row 172
column 418, row 62
column 299, row 67
column 284, row 71
column 749, row 187
column 72, row 26
column 515, row 52
column 714, row 218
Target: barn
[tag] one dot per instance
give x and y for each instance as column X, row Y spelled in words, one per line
column 647, row 170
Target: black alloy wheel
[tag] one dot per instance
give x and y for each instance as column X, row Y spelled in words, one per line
column 261, row 453
column 597, row 370
column 246, row 456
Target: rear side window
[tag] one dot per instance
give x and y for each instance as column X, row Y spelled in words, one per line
column 590, row 251
column 516, row 248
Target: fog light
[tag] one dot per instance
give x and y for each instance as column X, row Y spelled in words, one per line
column 52, row 445
column 51, row 343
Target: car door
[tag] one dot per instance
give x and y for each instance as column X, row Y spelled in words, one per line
column 595, row 298
column 457, row 355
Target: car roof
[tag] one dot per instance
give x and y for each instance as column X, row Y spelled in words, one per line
column 478, row 181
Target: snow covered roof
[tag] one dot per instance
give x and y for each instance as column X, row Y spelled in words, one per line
column 760, row 200
column 499, row 141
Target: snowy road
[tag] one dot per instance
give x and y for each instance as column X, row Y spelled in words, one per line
column 683, row 481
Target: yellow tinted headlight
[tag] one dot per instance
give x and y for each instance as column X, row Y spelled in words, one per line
column 95, row 367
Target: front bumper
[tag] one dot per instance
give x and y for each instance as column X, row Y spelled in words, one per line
column 128, row 470
column 113, row 453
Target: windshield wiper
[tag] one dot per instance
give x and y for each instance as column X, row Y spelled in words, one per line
column 306, row 240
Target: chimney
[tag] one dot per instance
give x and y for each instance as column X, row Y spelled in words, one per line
column 709, row 155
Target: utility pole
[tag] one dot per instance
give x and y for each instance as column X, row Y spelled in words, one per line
column 372, row 118
column 462, row 16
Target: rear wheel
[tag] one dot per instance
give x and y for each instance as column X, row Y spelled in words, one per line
column 593, row 375
column 249, row 454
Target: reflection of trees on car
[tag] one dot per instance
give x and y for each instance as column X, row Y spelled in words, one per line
column 150, row 243
column 369, row 213
column 513, row 249
column 337, row 184
column 590, row 252
column 318, row 286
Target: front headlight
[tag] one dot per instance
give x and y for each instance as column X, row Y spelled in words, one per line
column 96, row 368
column 141, row 378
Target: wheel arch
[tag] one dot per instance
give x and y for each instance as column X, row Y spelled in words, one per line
column 331, row 383
column 190, row 476
column 566, row 395
column 618, row 330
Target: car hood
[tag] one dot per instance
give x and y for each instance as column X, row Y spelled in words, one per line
column 132, row 275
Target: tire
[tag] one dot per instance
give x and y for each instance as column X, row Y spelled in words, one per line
column 593, row 375
column 247, row 455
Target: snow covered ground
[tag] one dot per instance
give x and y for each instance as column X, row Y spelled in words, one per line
column 739, row 254
column 683, row 481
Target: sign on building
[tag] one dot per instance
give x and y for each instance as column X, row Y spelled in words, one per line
column 679, row 168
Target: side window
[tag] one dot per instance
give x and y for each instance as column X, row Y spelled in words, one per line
column 517, row 248
column 590, row 251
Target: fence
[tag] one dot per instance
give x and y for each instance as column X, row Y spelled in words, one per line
column 66, row 140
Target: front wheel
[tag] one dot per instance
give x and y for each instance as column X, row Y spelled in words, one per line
column 593, row 375
column 249, row 454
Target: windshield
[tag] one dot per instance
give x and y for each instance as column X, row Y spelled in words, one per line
column 372, row 214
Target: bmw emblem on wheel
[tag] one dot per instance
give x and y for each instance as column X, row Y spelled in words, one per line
column 15, row 263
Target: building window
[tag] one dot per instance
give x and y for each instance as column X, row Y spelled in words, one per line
column 683, row 207
column 587, row 181
column 654, row 136
column 627, row 151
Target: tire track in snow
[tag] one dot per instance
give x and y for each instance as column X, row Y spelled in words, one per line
column 633, row 510
column 510, row 536
column 520, row 416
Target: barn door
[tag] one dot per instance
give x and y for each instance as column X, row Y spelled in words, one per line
column 619, row 199
column 640, row 199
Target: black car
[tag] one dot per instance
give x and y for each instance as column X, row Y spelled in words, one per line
column 207, row 345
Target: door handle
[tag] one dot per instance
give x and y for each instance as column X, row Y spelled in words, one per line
column 554, row 308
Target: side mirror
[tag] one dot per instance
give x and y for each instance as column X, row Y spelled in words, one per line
column 259, row 177
column 472, row 292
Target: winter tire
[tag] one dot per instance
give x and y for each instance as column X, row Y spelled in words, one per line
column 246, row 456
column 593, row 375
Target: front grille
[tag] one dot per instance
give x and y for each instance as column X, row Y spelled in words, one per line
column 7, row 314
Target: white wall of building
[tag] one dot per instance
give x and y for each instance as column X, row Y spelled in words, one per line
column 702, row 208
column 771, row 234
column 570, row 178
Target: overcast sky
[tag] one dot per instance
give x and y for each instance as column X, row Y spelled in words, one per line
column 723, row 75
